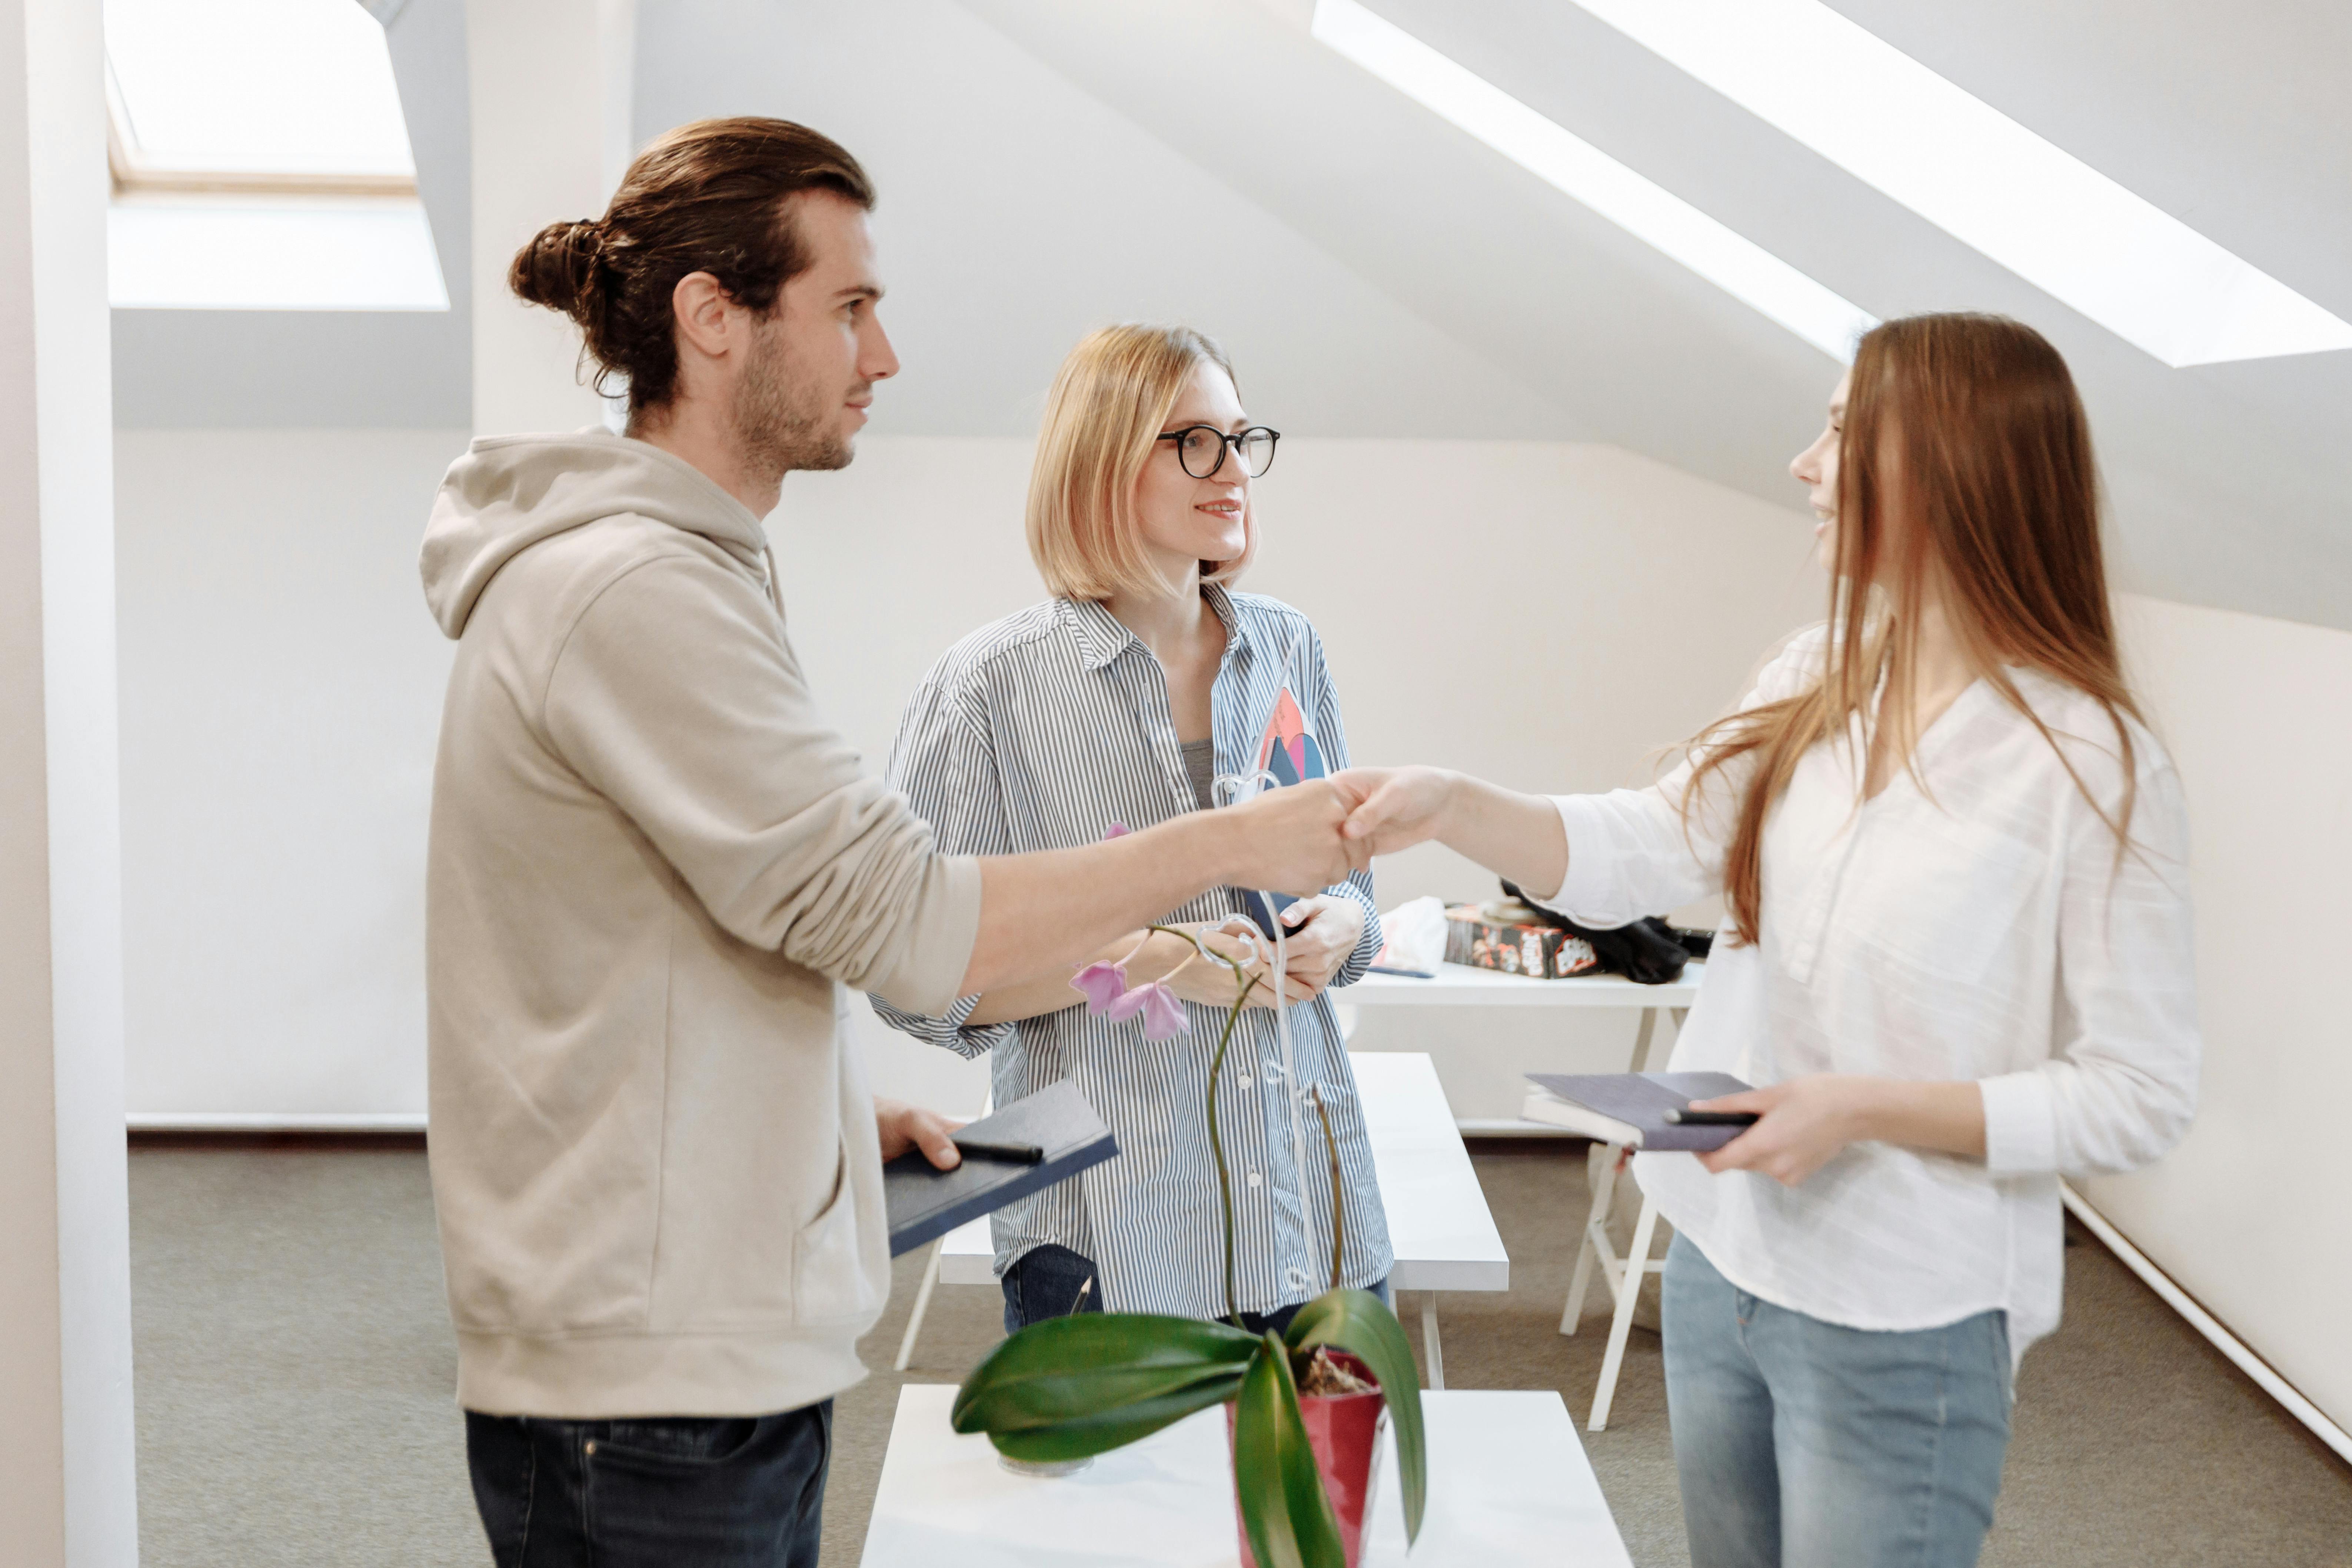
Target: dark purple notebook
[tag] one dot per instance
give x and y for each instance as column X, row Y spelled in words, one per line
column 926, row 1203
column 1640, row 1101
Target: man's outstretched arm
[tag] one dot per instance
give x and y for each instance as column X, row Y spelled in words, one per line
column 1056, row 906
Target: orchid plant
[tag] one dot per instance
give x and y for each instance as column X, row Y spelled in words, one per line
column 1072, row 1387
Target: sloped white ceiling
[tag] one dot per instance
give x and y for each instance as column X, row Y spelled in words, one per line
column 2234, row 118
column 2232, row 484
column 1018, row 211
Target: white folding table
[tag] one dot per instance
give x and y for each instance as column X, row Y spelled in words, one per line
column 1439, row 1226
column 1458, row 985
column 1508, row 1484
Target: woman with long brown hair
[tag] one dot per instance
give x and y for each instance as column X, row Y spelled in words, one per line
column 1956, row 964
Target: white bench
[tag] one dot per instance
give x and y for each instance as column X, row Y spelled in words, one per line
column 1439, row 1226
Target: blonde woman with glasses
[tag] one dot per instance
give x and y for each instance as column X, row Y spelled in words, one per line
column 1117, row 703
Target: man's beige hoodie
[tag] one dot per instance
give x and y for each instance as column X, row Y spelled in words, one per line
column 654, row 869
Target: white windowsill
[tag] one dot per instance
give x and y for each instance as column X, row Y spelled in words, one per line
column 252, row 252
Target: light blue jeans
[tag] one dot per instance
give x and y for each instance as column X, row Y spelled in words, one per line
column 1804, row 1442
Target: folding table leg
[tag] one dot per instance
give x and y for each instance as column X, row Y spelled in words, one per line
column 922, row 1305
column 1641, row 1039
column 1431, row 1350
column 1594, row 1247
column 1588, row 1251
column 1629, row 1290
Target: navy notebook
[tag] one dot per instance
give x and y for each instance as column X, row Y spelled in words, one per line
column 925, row 1202
column 1631, row 1107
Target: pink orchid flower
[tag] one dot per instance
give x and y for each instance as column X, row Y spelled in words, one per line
column 1163, row 1015
column 1117, row 830
column 1102, row 983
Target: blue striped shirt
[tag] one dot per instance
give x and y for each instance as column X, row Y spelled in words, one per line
column 1038, row 732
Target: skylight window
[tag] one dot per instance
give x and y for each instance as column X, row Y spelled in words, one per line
column 1722, row 255
column 261, row 161
column 1981, row 177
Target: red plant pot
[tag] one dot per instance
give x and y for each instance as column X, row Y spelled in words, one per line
column 1344, row 1431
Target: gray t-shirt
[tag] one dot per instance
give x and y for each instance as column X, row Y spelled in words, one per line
column 1201, row 767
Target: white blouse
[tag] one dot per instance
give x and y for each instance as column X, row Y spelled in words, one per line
column 1985, row 929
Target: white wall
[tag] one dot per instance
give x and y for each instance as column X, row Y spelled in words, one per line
column 281, row 693
column 1545, row 614
column 550, row 89
column 2249, row 1213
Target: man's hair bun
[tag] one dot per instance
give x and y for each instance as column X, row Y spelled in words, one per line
column 558, row 269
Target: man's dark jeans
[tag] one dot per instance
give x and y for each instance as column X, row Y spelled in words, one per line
column 652, row 1492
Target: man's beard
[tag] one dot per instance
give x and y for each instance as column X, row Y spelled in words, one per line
column 782, row 418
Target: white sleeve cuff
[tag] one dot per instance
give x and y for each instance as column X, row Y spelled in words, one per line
column 1593, row 868
column 2020, row 1124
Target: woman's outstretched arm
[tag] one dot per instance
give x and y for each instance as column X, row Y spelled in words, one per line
column 1635, row 852
column 1513, row 835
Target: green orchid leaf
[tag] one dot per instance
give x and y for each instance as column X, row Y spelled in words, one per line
column 1357, row 1322
column 1101, row 1372
column 1081, row 1437
column 1283, row 1507
column 1086, row 1396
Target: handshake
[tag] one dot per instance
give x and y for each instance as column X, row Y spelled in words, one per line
column 1040, row 911
column 1308, row 835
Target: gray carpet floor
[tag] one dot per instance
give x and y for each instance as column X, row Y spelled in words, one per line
column 294, row 1368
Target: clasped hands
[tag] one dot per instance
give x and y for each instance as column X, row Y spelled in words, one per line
column 1309, row 835
column 1312, row 835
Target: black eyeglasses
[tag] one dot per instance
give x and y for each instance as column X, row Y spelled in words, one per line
column 1202, row 448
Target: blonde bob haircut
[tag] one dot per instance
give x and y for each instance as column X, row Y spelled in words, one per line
column 1103, row 418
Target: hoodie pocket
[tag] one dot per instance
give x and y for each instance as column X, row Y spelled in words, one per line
column 829, row 1282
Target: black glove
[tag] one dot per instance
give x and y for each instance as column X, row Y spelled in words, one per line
column 1648, row 951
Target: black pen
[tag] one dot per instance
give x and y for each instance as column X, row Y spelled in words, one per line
column 1012, row 1153
column 1687, row 1117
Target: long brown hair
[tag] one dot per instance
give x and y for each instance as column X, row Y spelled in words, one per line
column 1965, row 469
column 708, row 196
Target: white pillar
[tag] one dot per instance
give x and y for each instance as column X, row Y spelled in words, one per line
column 549, row 84
column 68, row 1488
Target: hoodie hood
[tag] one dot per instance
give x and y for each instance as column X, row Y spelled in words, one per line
column 508, row 492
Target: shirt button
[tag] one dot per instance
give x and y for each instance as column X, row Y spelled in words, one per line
column 1246, row 1080
column 1253, row 1178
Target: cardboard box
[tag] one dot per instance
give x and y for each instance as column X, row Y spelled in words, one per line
column 1474, row 938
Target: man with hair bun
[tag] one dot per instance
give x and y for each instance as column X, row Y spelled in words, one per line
column 654, row 868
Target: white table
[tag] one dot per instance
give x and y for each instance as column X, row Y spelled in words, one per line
column 1439, row 1226
column 1508, row 1484
column 1459, row 985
